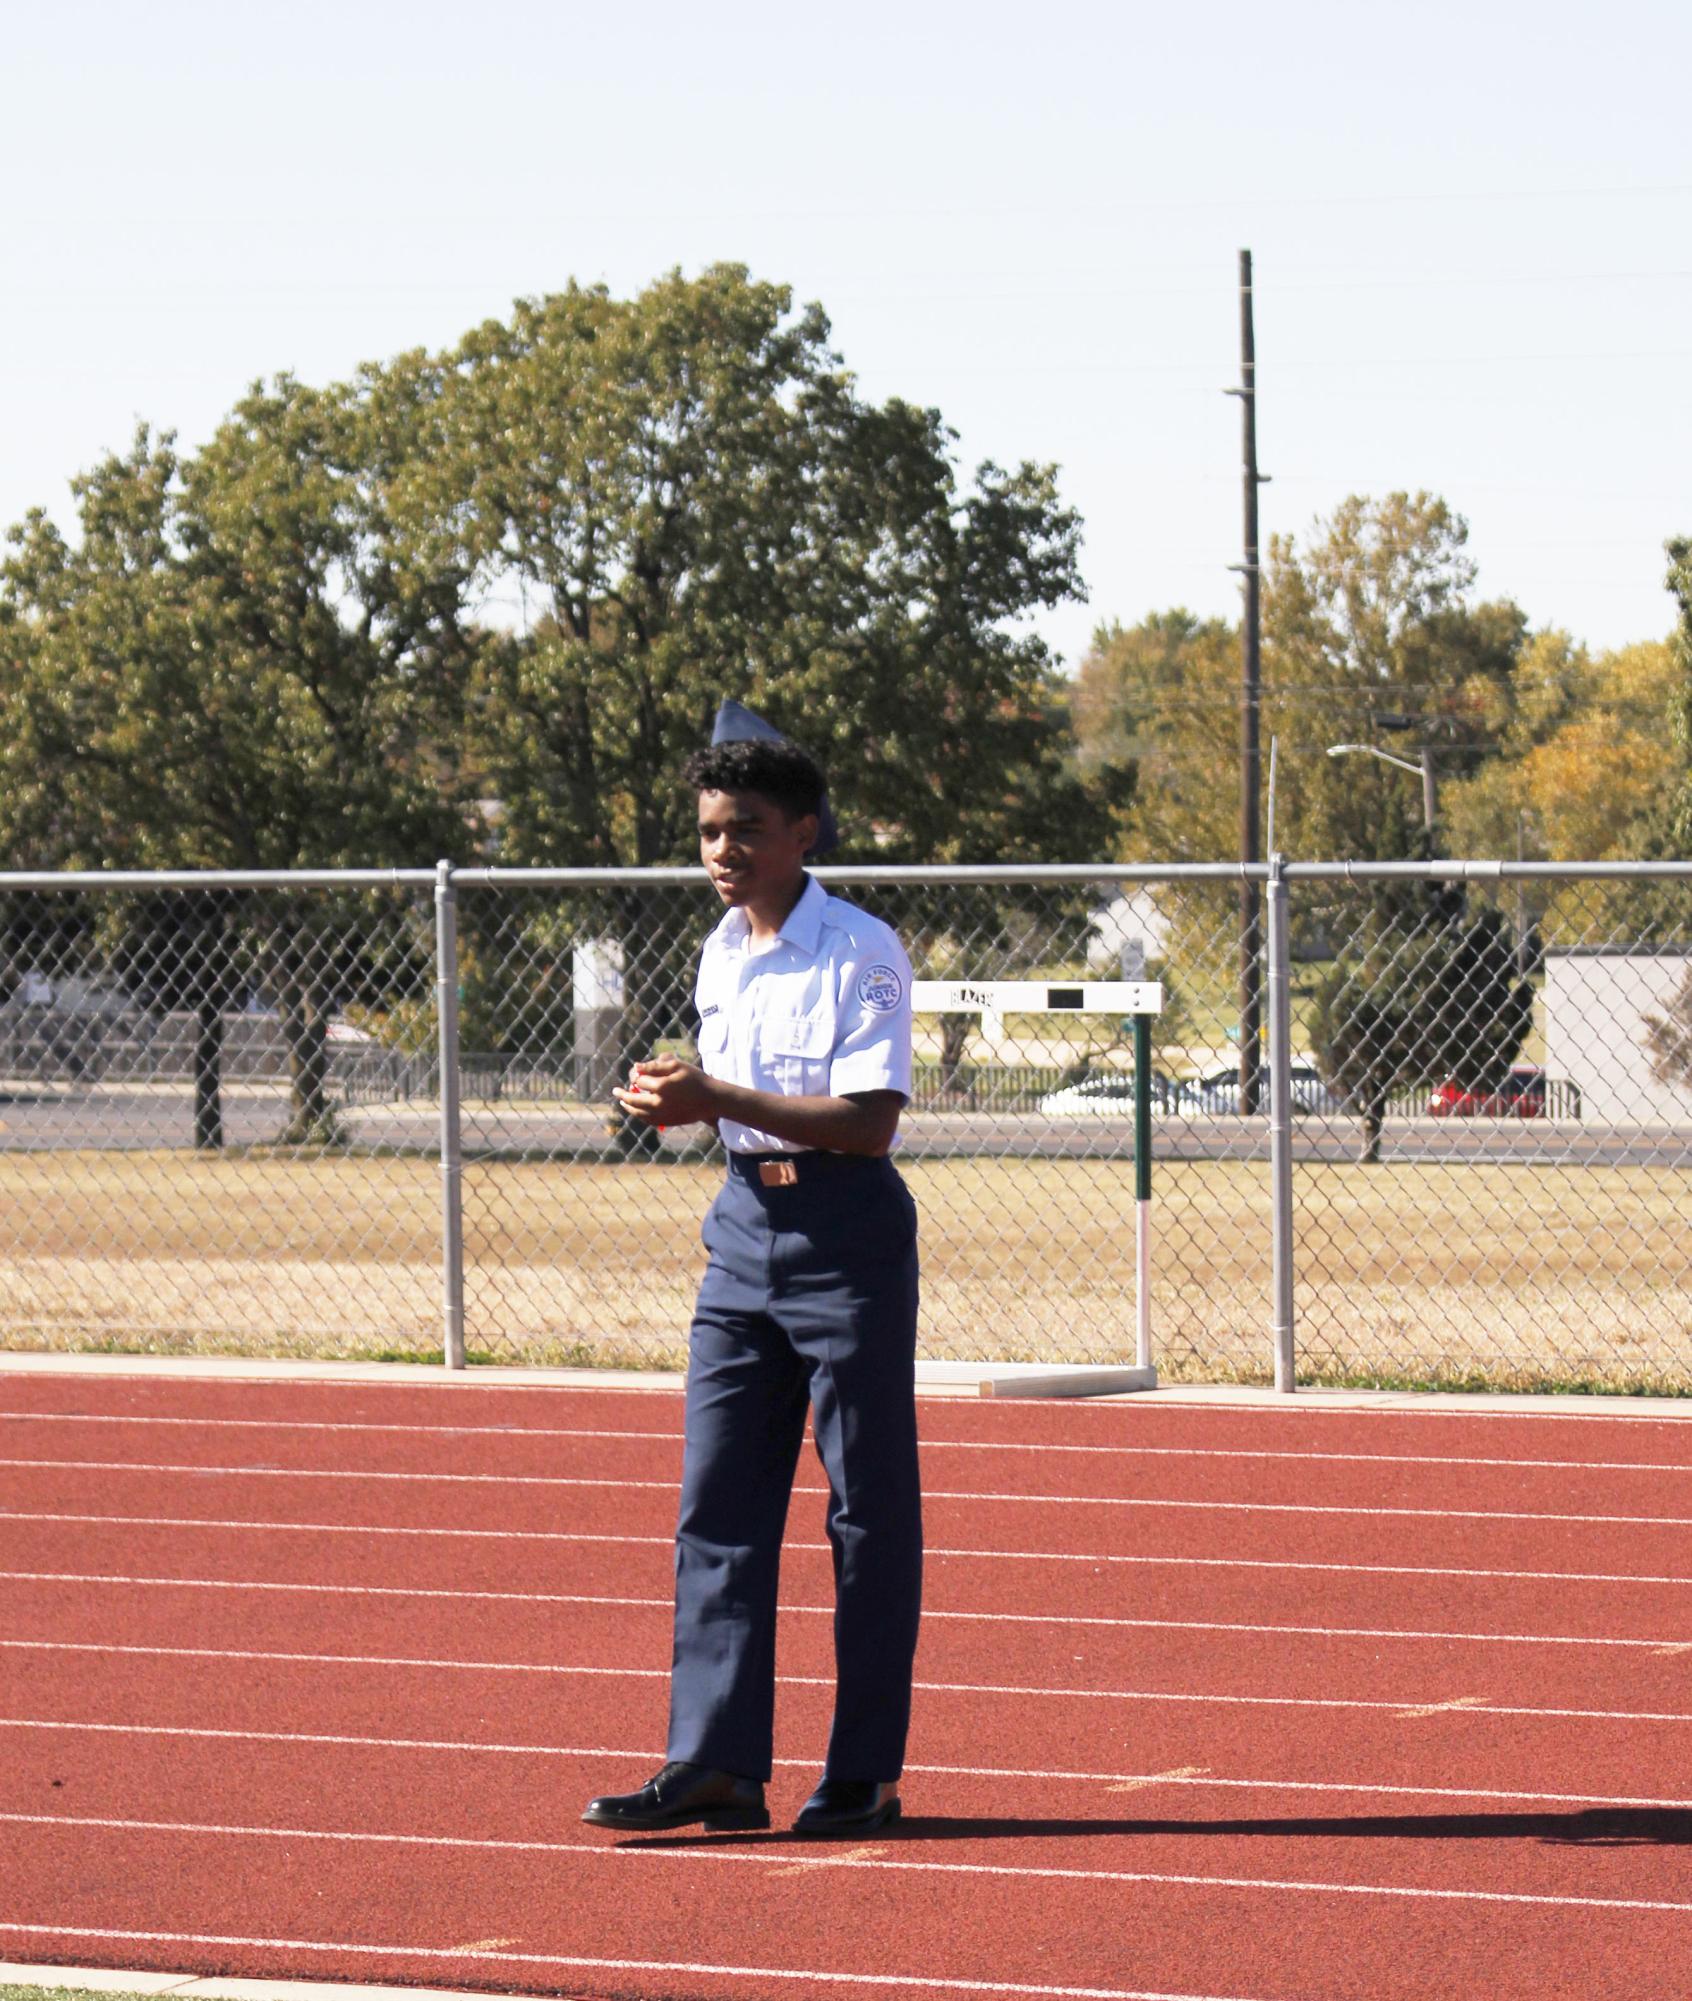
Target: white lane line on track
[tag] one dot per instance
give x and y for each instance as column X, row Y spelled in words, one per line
column 821, row 1548
column 597, row 1751
column 929, row 1494
column 1396, row 1706
column 900, row 1981
column 1112, row 1451
column 1087, row 1408
column 794, row 1680
column 781, row 1854
column 827, row 1611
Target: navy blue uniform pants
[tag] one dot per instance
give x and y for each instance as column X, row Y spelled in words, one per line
column 809, row 1300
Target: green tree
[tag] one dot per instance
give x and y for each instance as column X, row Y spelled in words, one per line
column 338, row 662
column 95, row 636
column 1668, row 1036
column 1156, row 709
column 1373, row 616
column 1370, row 616
column 1417, row 1003
column 262, row 655
column 1678, row 829
column 1585, row 756
column 690, row 500
column 237, row 665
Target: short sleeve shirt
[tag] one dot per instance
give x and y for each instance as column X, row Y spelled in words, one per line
column 823, row 1012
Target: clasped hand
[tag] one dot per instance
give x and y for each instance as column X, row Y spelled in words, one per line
column 665, row 1091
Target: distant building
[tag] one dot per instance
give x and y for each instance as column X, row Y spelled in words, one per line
column 1128, row 929
column 1597, row 1006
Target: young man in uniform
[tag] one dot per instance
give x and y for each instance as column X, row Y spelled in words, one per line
column 809, row 1300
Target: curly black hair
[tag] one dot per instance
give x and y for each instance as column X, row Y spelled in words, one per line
column 781, row 772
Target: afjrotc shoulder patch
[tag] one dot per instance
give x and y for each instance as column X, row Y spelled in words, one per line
column 880, row 989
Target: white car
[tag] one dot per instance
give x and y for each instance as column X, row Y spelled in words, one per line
column 1109, row 1096
column 1220, row 1091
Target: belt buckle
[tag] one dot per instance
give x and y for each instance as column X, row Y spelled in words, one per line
column 779, row 1173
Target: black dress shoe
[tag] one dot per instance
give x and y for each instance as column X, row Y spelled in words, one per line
column 681, row 1794
column 848, row 1806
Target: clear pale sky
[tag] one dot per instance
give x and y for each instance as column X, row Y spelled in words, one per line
column 1470, row 226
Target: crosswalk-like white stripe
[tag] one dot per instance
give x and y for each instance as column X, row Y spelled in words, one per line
column 1202, row 1781
column 1045, row 1448
column 929, row 1494
column 929, row 1612
column 772, row 1853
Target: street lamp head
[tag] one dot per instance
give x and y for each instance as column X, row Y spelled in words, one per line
column 1340, row 749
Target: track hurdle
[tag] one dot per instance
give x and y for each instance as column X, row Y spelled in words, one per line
column 1137, row 1000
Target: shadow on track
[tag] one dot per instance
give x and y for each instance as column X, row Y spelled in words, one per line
column 1592, row 1827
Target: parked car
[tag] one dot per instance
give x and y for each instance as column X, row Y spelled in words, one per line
column 1520, row 1096
column 63, row 1027
column 1110, row 1095
column 1219, row 1093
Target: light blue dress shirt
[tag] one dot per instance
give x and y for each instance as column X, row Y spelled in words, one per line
column 822, row 1011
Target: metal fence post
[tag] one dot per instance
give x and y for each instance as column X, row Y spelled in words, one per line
column 452, row 1157
column 1142, row 1191
column 1280, row 1122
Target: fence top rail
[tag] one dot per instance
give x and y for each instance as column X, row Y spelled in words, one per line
column 1488, row 871
column 878, row 872
column 213, row 878
column 982, row 873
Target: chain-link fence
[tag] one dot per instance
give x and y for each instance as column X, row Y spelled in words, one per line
column 1499, row 1187
column 222, row 1125
column 210, row 1124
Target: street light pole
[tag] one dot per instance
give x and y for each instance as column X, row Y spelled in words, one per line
column 1251, row 694
column 1423, row 769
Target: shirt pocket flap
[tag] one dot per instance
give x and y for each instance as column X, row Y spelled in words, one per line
column 808, row 1035
column 713, row 1034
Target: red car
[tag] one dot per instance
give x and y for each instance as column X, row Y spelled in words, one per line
column 1521, row 1096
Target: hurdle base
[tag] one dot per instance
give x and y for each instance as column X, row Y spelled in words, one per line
column 1035, row 1379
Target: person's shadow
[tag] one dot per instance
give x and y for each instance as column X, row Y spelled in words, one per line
column 1590, row 1827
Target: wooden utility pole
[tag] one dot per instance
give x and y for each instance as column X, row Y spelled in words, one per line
column 1251, row 761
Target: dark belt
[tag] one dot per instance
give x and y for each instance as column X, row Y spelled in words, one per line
column 790, row 1170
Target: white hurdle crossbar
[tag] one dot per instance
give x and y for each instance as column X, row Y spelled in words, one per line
column 1140, row 999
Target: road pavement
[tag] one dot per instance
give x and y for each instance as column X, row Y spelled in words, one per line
column 143, row 1118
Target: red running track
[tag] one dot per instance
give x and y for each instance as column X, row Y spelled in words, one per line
column 312, row 1681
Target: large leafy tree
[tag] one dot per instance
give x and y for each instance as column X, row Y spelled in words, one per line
column 687, row 499
column 1417, row 1002
column 1371, row 617
column 1585, row 756
column 1160, row 700
column 530, row 568
column 1668, row 1037
column 99, row 658
column 236, row 665
column 1679, row 817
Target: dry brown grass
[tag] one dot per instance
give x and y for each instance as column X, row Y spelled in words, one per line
column 1407, row 1270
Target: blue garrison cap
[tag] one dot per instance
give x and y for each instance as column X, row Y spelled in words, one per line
column 738, row 724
